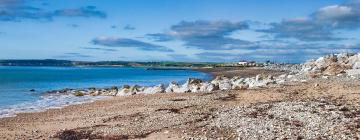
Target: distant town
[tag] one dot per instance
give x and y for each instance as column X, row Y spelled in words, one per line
column 65, row 63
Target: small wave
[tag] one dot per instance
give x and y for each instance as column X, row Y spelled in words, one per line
column 45, row 102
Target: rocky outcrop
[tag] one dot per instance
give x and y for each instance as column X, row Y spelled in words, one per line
column 222, row 82
column 207, row 87
column 331, row 65
column 152, row 90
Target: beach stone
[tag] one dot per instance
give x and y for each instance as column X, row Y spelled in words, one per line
column 354, row 59
column 353, row 72
column 258, row 77
column 238, row 83
column 242, row 86
column 108, row 91
column 191, row 81
column 208, row 87
column 222, row 82
column 192, row 85
column 124, row 91
column 225, row 85
column 155, row 89
column 136, row 89
column 176, row 88
column 171, row 87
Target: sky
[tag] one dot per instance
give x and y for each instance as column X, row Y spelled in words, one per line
column 289, row 31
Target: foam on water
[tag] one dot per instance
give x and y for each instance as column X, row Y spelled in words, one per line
column 46, row 102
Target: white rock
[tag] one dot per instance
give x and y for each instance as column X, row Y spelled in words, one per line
column 207, row 87
column 175, row 88
column 172, row 86
column 354, row 59
column 290, row 76
column 353, row 72
column 356, row 65
column 154, row 89
column 125, row 91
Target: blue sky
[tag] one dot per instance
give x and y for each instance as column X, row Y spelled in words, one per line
column 178, row 30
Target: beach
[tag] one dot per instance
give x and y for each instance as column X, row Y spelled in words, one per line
column 318, row 108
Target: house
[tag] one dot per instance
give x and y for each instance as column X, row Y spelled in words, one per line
column 243, row 63
column 246, row 63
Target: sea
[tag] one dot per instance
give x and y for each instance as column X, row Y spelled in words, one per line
column 16, row 83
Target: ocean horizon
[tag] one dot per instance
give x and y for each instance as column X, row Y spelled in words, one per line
column 16, row 83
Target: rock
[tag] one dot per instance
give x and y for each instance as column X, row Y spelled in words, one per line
column 155, row 89
column 222, row 82
column 343, row 58
column 208, row 87
column 78, row 94
column 240, row 86
column 32, row 90
column 353, row 72
column 136, row 89
column 191, row 81
column 356, row 65
column 334, row 69
column 258, row 77
column 172, row 86
column 353, row 60
column 290, row 76
column 238, row 83
column 124, row 91
column 192, row 85
column 316, row 85
column 225, row 85
column 175, row 88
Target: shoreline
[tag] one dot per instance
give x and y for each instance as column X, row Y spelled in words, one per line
column 212, row 73
column 166, row 116
column 316, row 108
column 13, row 110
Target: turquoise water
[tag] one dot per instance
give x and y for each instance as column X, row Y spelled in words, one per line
column 16, row 83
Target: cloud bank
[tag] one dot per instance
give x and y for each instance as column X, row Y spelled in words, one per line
column 16, row 11
column 201, row 34
column 129, row 43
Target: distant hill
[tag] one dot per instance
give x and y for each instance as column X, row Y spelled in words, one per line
column 53, row 62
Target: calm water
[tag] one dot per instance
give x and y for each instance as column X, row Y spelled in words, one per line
column 15, row 83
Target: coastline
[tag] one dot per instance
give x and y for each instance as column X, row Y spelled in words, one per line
column 55, row 98
column 212, row 73
column 164, row 116
column 198, row 115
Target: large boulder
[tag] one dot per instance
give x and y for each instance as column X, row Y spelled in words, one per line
column 354, row 61
column 343, row 58
column 222, row 82
column 192, row 85
column 124, row 91
column 331, row 65
column 154, row 89
column 334, row 69
column 176, row 88
column 109, row 91
column 208, row 87
column 238, row 83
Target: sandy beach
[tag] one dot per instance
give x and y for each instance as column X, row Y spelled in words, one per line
column 293, row 111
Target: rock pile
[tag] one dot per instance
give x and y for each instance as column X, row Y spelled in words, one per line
column 333, row 65
column 192, row 85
